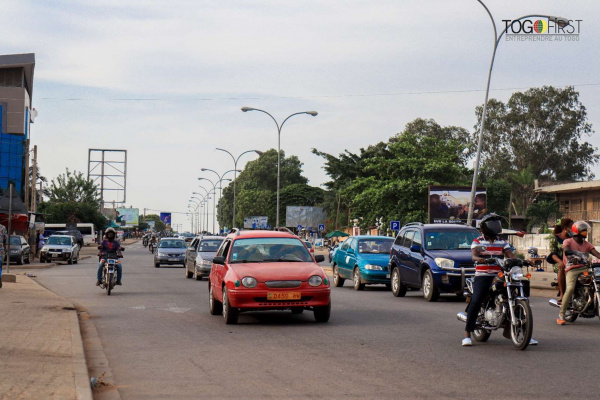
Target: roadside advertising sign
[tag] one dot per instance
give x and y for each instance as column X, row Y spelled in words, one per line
column 450, row 204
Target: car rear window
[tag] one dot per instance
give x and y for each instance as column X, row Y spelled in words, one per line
column 268, row 250
column 449, row 239
column 62, row 241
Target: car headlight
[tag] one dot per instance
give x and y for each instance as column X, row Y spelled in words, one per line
column 44, row 249
column 15, row 251
column 315, row 280
column 249, row 282
column 516, row 273
column 374, row 267
column 206, row 262
column 597, row 271
column 444, row 263
column 161, row 254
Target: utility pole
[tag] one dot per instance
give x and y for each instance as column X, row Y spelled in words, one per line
column 34, row 180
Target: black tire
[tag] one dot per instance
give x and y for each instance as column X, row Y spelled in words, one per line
column 323, row 313
column 430, row 292
column 28, row 258
column 197, row 277
column 70, row 260
column 338, row 281
column 356, row 280
column 215, row 306
column 388, row 286
column 570, row 316
column 76, row 260
column 297, row 310
column 481, row 335
column 109, row 283
column 156, row 265
column 230, row 314
column 21, row 259
column 398, row 288
column 188, row 274
column 520, row 334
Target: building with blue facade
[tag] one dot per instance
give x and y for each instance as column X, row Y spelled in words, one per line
column 16, row 88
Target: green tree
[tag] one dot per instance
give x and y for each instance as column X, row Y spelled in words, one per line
column 158, row 224
column 540, row 212
column 74, row 187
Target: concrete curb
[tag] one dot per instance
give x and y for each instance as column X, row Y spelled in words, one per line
column 82, row 379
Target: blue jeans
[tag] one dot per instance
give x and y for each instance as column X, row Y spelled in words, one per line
column 119, row 271
column 0, row 266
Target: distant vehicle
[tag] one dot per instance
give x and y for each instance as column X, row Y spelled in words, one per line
column 199, row 256
column 87, row 230
column 267, row 270
column 432, row 257
column 20, row 251
column 364, row 259
column 309, row 246
column 60, row 248
column 72, row 232
column 170, row 251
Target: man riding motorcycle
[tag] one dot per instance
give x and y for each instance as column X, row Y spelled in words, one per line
column 496, row 247
column 109, row 245
column 575, row 264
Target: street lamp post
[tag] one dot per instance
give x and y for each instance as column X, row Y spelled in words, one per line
column 235, row 170
column 201, row 203
column 214, row 200
column 279, row 127
column 558, row 20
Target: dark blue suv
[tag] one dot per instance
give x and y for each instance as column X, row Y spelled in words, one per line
column 432, row 257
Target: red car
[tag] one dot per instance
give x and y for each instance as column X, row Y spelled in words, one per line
column 267, row 270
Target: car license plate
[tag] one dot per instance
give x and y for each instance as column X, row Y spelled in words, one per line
column 173, row 259
column 54, row 255
column 284, row 296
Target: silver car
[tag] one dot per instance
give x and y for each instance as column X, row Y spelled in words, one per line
column 60, row 248
column 199, row 256
column 170, row 251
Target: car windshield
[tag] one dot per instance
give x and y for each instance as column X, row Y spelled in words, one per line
column 269, row 250
column 61, row 241
column 209, row 245
column 15, row 240
column 375, row 246
column 308, row 244
column 172, row 244
column 450, row 239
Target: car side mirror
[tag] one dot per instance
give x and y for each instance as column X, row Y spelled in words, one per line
column 416, row 248
column 219, row 260
column 319, row 258
column 351, row 251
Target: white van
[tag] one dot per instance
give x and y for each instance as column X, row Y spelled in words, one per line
column 87, row 231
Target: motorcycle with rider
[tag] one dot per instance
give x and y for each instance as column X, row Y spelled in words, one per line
column 110, row 268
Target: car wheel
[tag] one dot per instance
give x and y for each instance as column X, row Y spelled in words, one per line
column 338, row 281
column 214, row 305
column 188, row 274
column 156, row 265
column 70, row 260
column 430, row 292
column 230, row 314
column 297, row 310
column 28, row 258
column 197, row 277
column 323, row 313
column 398, row 288
column 21, row 259
column 357, row 281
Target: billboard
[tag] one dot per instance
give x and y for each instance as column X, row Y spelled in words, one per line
column 307, row 217
column 127, row 216
column 450, row 204
column 260, row 222
column 166, row 219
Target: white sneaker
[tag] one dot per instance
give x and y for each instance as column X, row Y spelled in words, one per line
column 467, row 341
column 533, row 342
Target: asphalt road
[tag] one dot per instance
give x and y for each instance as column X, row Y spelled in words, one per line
column 162, row 343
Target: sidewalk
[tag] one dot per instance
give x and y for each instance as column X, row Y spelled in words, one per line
column 41, row 351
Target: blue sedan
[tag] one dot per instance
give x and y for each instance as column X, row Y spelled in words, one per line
column 364, row 259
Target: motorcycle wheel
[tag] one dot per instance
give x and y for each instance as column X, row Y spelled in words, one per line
column 481, row 335
column 109, row 283
column 521, row 332
column 570, row 316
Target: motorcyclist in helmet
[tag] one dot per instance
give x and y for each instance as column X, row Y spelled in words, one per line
column 496, row 247
column 109, row 244
column 576, row 263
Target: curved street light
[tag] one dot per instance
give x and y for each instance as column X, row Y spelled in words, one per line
column 214, row 200
column 279, row 127
column 235, row 161
column 562, row 22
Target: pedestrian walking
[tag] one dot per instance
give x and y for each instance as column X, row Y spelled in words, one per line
column 3, row 239
column 41, row 241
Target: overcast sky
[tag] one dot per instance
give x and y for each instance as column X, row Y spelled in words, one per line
column 166, row 79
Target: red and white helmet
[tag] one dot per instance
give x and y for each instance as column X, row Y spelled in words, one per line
column 580, row 228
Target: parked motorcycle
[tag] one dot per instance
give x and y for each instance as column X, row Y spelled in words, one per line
column 586, row 300
column 109, row 271
column 505, row 306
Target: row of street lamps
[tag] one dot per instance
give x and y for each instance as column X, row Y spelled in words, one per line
column 204, row 201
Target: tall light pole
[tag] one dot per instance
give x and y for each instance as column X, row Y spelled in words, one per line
column 220, row 177
column 279, row 127
column 214, row 199
column 562, row 22
column 201, row 202
column 235, row 161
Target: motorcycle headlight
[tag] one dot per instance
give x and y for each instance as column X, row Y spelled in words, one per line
column 372, row 267
column 315, row 280
column 516, row 273
column 249, row 282
column 597, row 271
column 444, row 263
